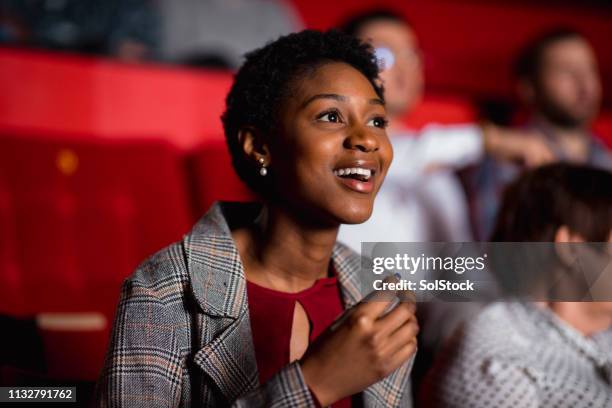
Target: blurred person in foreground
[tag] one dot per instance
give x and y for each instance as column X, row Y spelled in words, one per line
column 238, row 313
column 559, row 82
column 422, row 198
column 541, row 353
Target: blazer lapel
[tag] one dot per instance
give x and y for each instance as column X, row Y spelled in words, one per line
column 388, row 392
column 218, row 283
column 347, row 265
column 229, row 359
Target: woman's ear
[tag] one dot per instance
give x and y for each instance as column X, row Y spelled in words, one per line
column 254, row 146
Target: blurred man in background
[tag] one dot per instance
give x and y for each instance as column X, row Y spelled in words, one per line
column 422, row 199
column 559, row 82
column 398, row 49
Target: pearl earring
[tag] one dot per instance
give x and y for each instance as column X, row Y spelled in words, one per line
column 262, row 171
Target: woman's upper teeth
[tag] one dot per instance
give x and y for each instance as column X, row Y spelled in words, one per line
column 353, row 170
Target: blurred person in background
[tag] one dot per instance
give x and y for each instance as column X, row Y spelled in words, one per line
column 559, row 83
column 126, row 29
column 544, row 353
column 203, row 33
column 422, row 198
column 219, row 32
column 12, row 29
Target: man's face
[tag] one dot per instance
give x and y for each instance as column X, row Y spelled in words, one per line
column 402, row 75
column 568, row 89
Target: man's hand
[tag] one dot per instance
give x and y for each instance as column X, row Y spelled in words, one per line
column 525, row 146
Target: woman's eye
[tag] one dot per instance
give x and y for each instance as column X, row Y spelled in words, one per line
column 378, row 122
column 330, row 117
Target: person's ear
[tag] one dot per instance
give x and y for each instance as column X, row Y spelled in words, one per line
column 254, row 146
column 526, row 91
column 564, row 235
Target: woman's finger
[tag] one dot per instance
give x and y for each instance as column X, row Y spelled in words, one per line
column 401, row 336
column 394, row 319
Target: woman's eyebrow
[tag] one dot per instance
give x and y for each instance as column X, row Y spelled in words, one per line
column 336, row 97
column 339, row 98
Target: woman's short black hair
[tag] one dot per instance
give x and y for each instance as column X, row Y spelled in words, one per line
column 267, row 78
column 546, row 198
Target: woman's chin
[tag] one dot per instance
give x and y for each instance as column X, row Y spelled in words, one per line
column 355, row 216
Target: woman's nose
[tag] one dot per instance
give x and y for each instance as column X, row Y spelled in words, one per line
column 361, row 139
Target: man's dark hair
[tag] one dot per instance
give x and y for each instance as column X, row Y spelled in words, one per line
column 529, row 60
column 546, row 198
column 354, row 24
column 268, row 77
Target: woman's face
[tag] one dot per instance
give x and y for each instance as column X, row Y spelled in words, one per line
column 332, row 151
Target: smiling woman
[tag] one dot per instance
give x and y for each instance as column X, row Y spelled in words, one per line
column 239, row 312
column 325, row 92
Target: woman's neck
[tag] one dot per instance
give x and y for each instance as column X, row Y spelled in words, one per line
column 282, row 252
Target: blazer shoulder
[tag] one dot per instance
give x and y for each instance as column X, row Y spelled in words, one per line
column 165, row 268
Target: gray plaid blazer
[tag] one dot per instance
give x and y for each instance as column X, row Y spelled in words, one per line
column 182, row 334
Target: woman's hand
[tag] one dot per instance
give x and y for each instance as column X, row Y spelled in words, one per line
column 365, row 348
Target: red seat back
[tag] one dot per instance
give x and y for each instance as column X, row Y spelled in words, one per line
column 603, row 128
column 77, row 217
column 214, row 177
column 445, row 110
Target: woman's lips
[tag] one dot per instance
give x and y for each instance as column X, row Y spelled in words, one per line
column 358, row 185
column 357, row 175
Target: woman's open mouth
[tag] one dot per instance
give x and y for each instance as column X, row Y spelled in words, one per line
column 358, row 179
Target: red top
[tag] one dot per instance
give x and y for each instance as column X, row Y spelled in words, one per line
column 271, row 314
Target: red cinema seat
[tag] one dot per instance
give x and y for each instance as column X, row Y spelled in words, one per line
column 74, row 344
column 215, row 178
column 603, row 128
column 82, row 216
column 12, row 299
